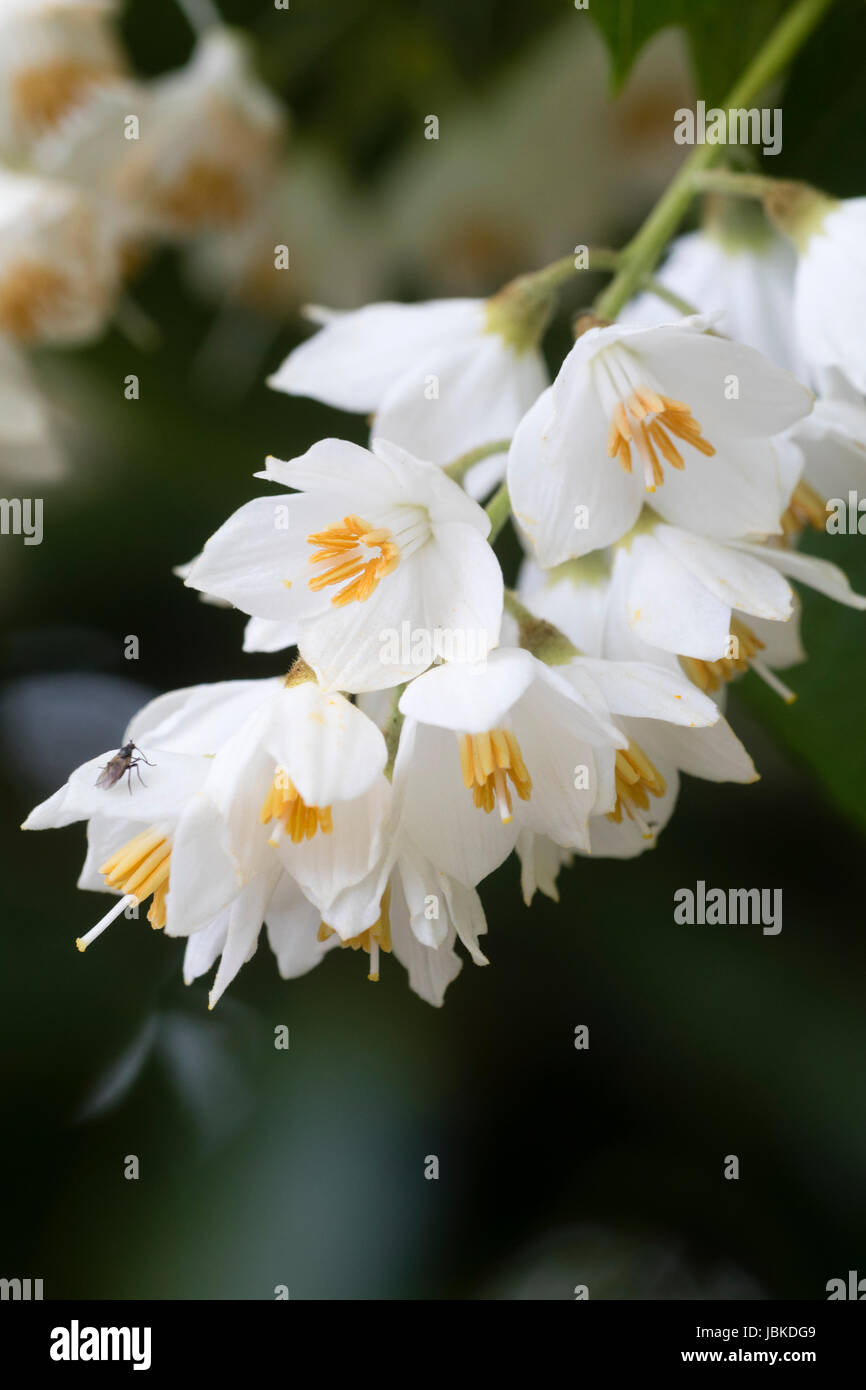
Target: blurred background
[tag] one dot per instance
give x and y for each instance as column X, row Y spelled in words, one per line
column 305, row 1167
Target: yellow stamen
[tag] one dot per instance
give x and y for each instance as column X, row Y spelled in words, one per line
column 28, row 290
column 743, row 647
column 806, row 508
column 487, row 761
column 140, row 868
column 41, row 96
column 635, row 778
column 647, row 420
column 344, row 551
column 374, row 939
column 206, row 192
column 285, row 804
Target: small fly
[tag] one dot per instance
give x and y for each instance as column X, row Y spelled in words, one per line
column 121, row 765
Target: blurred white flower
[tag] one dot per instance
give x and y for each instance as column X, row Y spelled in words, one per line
column 208, row 144
column 58, row 268
column 54, row 54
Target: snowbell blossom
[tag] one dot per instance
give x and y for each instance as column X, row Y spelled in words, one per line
column 497, row 748
column 373, row 545
column 745, row 282
column 54, row 54
column 673, row 416
column 830, row 285
column 439, row 378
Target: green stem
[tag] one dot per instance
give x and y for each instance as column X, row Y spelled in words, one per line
column 643, row 251
column 499, row 510
column 558, row 272
column 461, row 466
column 391, row 731
column 538, row 636
column 730, row 182
column 661, row 291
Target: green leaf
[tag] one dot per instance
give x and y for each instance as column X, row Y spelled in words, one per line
column 722, row 36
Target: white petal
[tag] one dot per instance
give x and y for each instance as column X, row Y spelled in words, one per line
column 169, row 786
column 353, row 360
column 734, row 574
column 202, row 879
column 483, row 388
column 806, row 569
column 558, row 462
column 430, row 970
column 293, row 924
column 470, row 697
column 328, row 748
column 647, row 691
column 741, row 491
column 699, row 368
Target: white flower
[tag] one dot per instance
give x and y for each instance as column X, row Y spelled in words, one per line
column 497, row 748
column 671, row 727
column 208, row 144
column 233, row 770
column 673, row 415
column 666, row 595
column 53, row 55
column 440, row 378
column 58, row 268
column 372, row 541
column 205, row 152
column 831, row 448
column 746, row 282
column 830, row 287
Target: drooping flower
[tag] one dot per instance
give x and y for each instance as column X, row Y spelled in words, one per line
column 232, row 767
column 672, row 598
column 209, row 147
column 440, row 378
column 373, row 546
column 496, row 748
column 672, row 416
column 200, row 155
column 742, row 274
column 830, row 284
column 58, row 265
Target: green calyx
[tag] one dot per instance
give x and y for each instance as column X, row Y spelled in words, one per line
column 798, row 210
column 538, row 636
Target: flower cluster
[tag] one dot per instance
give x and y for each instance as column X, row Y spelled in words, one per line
column 434, row 721
column 96, row 168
